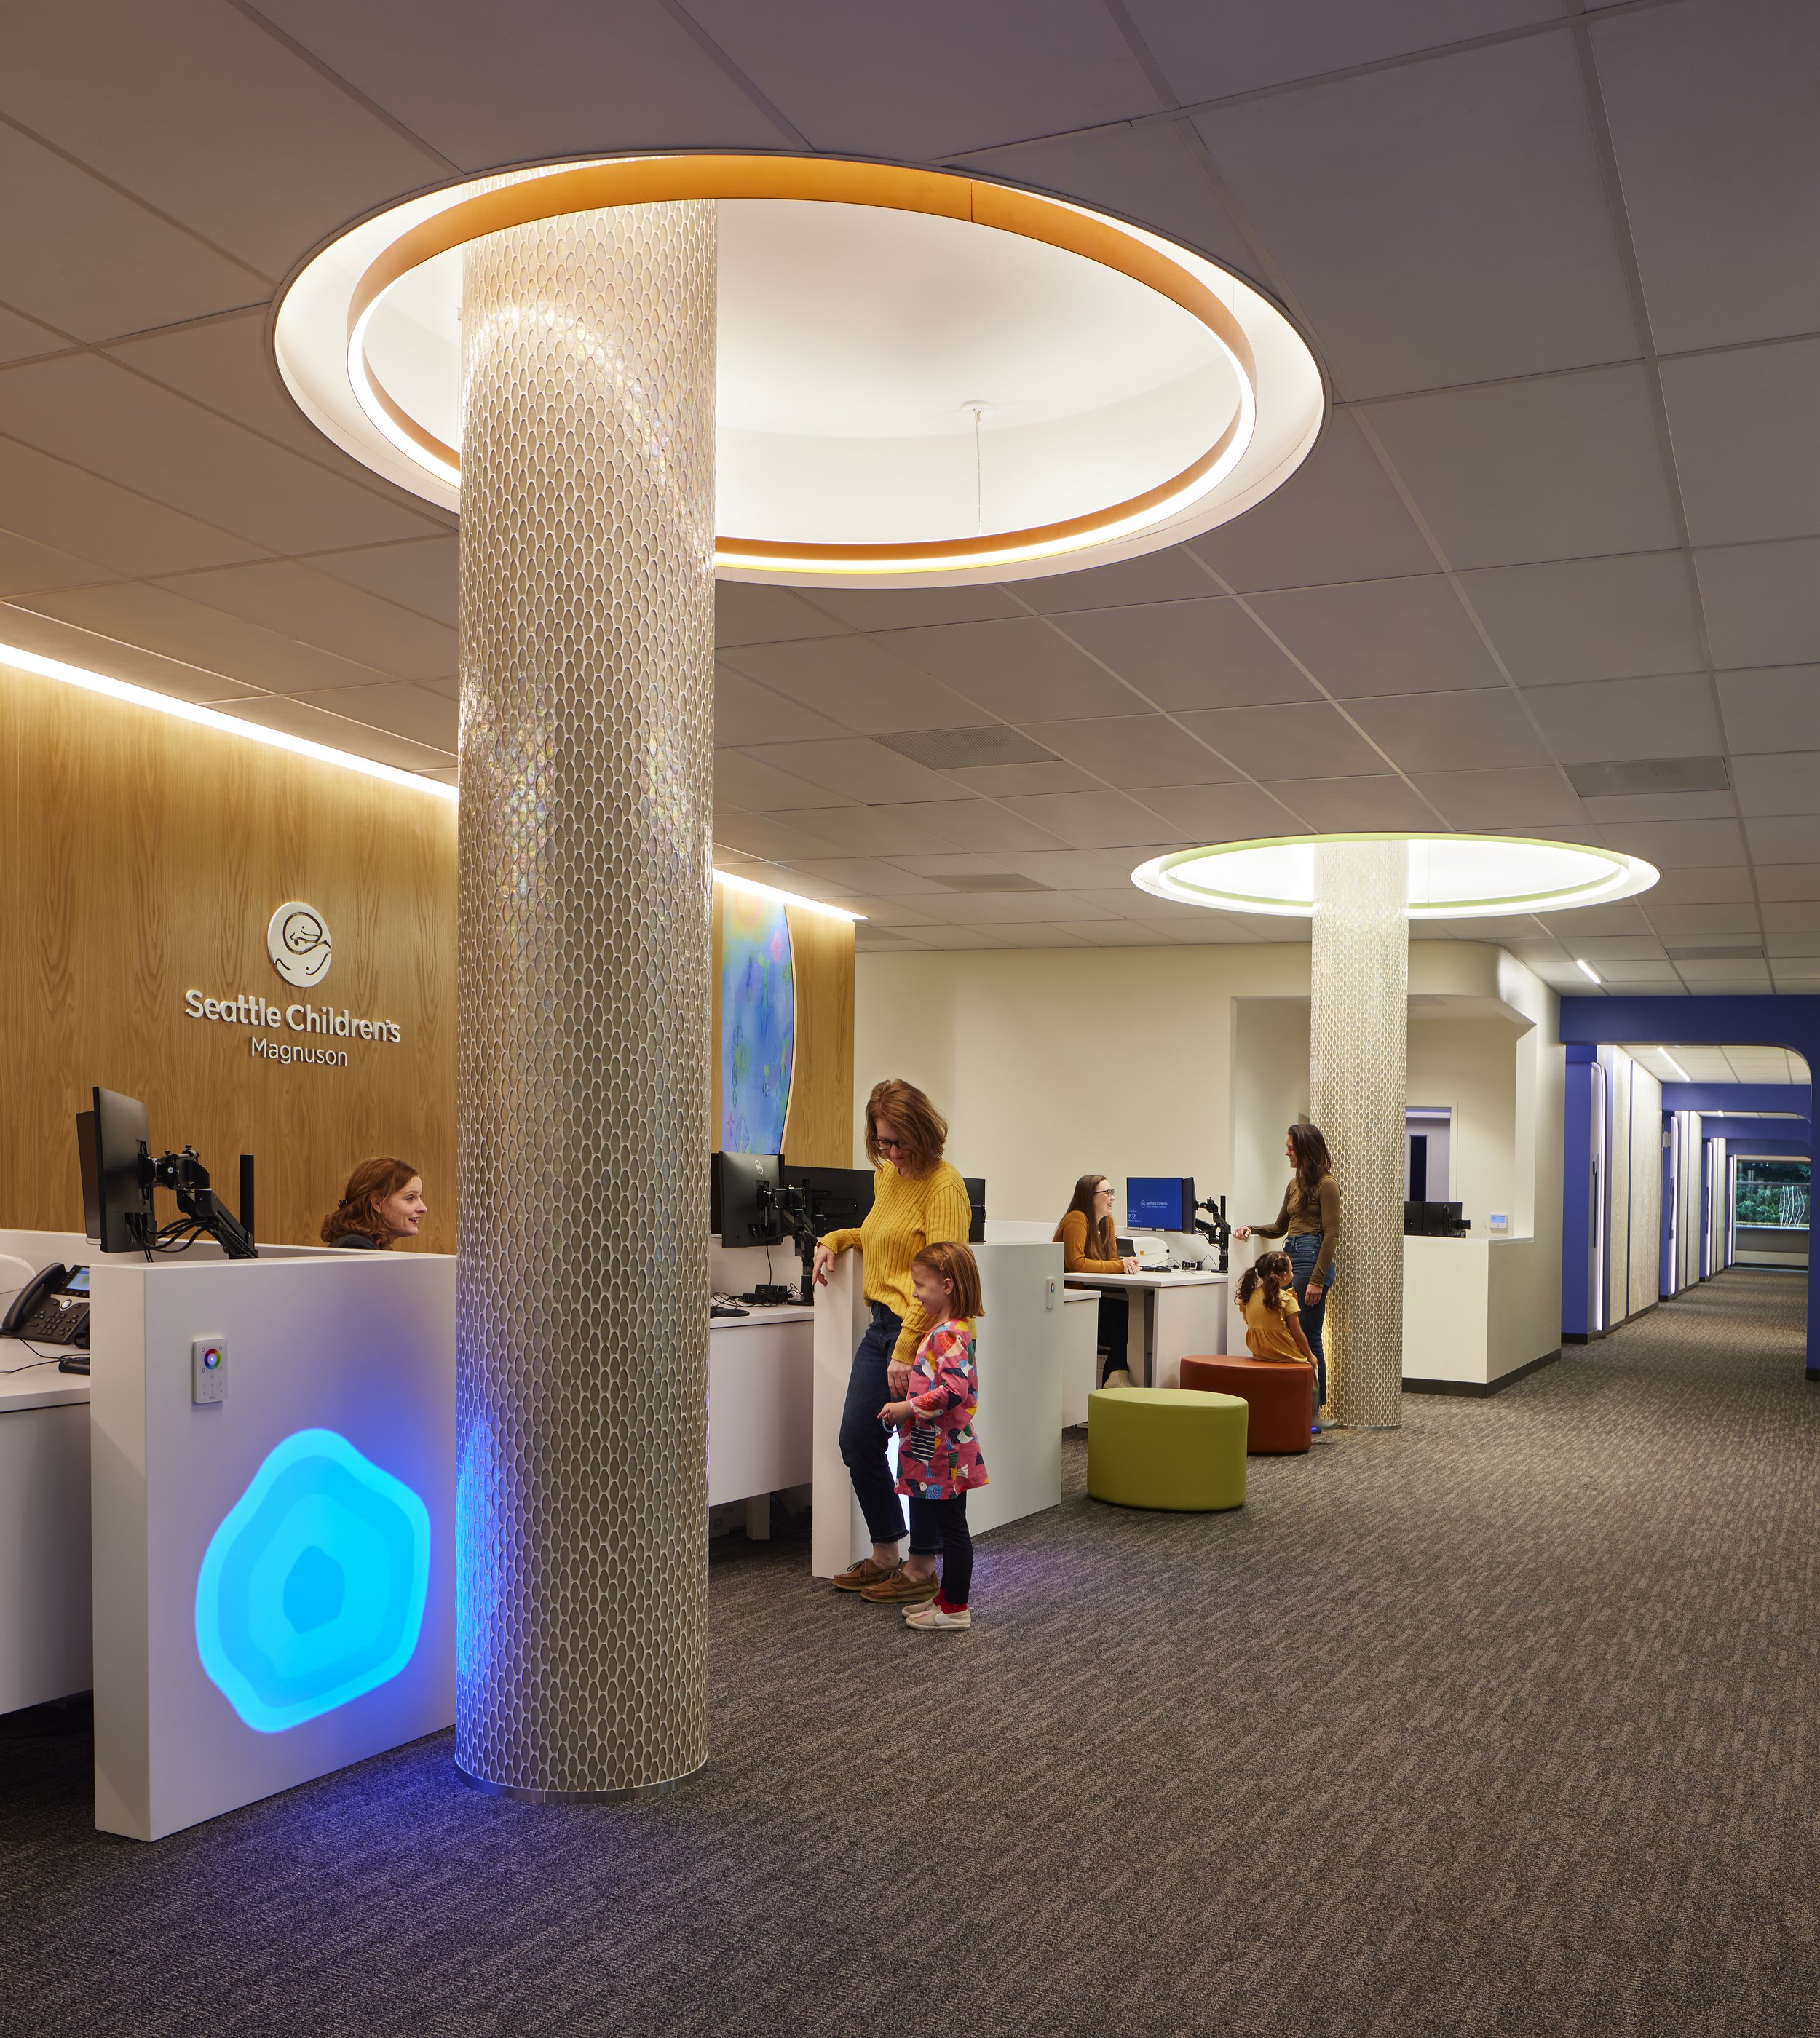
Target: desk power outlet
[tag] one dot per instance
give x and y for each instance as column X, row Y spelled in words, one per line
column 208, row 1371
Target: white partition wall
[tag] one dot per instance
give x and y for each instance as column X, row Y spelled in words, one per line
column 1020, row 1353
column 274, row 1533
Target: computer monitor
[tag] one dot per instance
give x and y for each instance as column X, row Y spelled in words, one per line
column 119, row 1150
column 838, row 1198
column 1160, row 1202
column 744, row 1214
column 976, row 1196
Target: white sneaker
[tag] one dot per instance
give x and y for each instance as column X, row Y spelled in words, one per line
column 933, row 1616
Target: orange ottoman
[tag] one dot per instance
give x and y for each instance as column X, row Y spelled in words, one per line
column 1281, row 1398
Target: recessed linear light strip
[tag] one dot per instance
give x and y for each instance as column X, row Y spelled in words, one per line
column 301, row 746
column 1586, row 969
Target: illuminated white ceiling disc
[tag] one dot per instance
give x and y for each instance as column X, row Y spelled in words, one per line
column 1452, row 877
column 1131, row 392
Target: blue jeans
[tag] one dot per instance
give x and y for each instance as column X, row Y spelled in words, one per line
column 1304, row 1249
column 939, row 1528
column 864, row 1437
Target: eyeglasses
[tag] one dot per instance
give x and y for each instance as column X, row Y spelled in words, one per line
column 887, row 1146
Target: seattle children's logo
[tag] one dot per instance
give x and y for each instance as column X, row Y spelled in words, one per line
column 296, row 940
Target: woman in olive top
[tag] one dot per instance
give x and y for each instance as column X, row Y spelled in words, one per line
column 1088, row 1246
column 1311, row 1216
column 917, row 1198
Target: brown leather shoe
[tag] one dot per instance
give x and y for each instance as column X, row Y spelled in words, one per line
column 900, row 1589
column 857, row 1577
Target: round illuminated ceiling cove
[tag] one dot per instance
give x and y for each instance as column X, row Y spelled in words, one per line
column 1452, row 877
column 924, row 378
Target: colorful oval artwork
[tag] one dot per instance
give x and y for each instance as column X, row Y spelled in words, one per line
column 757, row 1023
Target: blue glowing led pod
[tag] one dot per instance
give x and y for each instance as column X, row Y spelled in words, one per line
column 312, row 1590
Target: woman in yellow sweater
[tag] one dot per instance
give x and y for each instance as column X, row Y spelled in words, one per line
column 1088, row 1246
column 917, row 1200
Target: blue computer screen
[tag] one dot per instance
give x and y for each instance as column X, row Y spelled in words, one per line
column 1155, row 1201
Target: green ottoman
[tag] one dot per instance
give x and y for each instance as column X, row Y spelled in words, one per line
column 1166, row 1447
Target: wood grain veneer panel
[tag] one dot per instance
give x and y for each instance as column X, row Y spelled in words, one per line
column 818, row 1131
column 142, row 857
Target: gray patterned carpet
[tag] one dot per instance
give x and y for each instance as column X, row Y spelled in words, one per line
column 1505, row 1723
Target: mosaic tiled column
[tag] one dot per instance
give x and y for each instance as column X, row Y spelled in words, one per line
column 1358, row 1040
column 582, row 977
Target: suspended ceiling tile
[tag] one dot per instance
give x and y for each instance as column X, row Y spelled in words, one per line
column 1186, row 656
column 1762, row 602
column 488, row 86
column 1782, row 946
column 50, row 639
column 745, row 712
column 1790, row 915
column 1721, row 883
column 1380, row 800
column 1788, row 782
column 1083, row 871
column 1663, row 807
column 1577, row 461
column 1150, row 174
column 90, row 411
column 997, row 781
column 1095, row 821
column 1114, row 934
column 1639, row 975
column 155, row 99
column 745, row 614
column 959, row 937
column 83, row 257
column 908, row 607
column 402, row 709
column 26, row 566
column 1771, row 710
column 778, row 839
column 1443, row 732
column 1438, row 222
column 315, row 608
column 1674, row 921
column 197, row 634
column 1597, row 720
column 868, row 831
column 1746, row 430
column 60, row 506
column 1711, row 111
column 1227, row 813
column 975, row 825
column 1516, row 800
column 762, row 787
column 1382, row 637
column 225, row 365
column 303, row 718
column 1300, row 740
column 1338, row 518
column 1787, row 881
column 419, row 574
column 859, row 682
column 1132, row 750
column 21, row 338
column 933, row 80
column 1172, row 575
column 871, row 873
column 1600, row 948
column 1035, row 934
column 855, row 769
column 1219, row 47
column 1613, row 619
column 1731, row 975
column 1787, row 839
column 1022, row 670
column 1671, row 844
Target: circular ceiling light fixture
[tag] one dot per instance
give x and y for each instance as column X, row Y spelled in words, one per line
column 924, row 378
column 1452, row 877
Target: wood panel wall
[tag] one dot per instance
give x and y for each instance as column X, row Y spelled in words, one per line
column 818, row 1128
column 142, row 857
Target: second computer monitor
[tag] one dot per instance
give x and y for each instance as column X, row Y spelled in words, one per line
column 1160, row 1202
column 118, row 1144
column 747, row 1213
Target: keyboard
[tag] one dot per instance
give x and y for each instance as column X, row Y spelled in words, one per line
column 56, row 1322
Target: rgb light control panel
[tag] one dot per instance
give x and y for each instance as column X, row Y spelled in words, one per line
column 208, row 1371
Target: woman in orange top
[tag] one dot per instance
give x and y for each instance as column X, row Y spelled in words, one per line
column 1085, row 1235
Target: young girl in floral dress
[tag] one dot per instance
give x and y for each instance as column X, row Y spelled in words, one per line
column 938, row 1461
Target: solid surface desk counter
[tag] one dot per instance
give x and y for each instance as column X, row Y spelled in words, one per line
column 1178, row 1316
